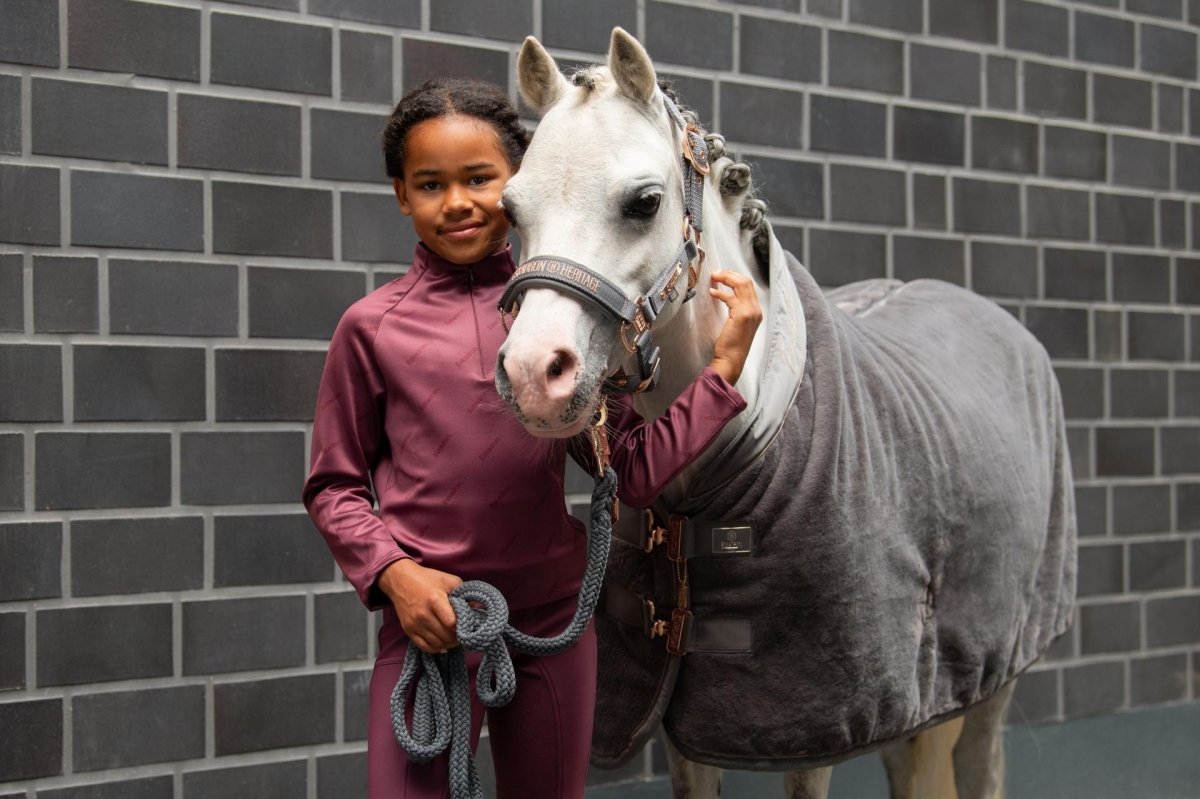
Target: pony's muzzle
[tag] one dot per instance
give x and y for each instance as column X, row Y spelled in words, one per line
column 539, row 383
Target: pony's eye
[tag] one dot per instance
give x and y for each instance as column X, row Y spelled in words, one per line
column 643, row 206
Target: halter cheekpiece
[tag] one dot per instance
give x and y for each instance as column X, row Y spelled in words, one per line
column 636, row 316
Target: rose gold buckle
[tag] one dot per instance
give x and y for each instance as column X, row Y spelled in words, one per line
column 676, row 642
column 655, row 534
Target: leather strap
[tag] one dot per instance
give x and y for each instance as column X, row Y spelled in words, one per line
column 685, row 537
column 686, row 633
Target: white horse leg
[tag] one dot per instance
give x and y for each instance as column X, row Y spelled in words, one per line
column 923, row 766
column 691, row 780
column 811, row 783
column 979, row 754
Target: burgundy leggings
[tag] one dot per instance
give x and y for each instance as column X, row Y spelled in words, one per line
column 539, row 741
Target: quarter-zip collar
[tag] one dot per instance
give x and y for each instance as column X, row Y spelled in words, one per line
column 493, row 270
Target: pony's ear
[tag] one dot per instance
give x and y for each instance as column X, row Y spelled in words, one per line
column 538, row 77
column 631, row 68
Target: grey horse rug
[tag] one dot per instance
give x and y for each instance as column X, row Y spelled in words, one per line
column 911, row 546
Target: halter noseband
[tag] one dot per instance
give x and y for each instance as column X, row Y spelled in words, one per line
column 637, row 315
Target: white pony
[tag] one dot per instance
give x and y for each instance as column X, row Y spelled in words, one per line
column 601, row 186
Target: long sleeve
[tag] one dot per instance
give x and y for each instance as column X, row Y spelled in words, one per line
column 647, row 456
column 347, row 440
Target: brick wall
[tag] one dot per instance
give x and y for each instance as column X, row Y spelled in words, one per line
column 190, row 194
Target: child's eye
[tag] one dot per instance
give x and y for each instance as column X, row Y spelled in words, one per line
column 478, row 180
column 430, row 185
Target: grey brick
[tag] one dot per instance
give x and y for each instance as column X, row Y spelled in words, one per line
column 1124, row 451
column 1141, row 278
column 345, row 146
column 122, row 642
column 837, row 257
column 1170, row 108
column 1187, row 278
column 1154, row 680
column 30, row 383
column 1157, row 565
column 1181, row 450
column 791, row 188
column 1035, row 699
column 423, row 60
column 1093, row 689
column 709, row 43
column 1156, row 336
column 271, row 54
column 1141, row 509
column 99, row 37
column 1168, row 51
column 1076, row 153
column 1036, row 28
column 901, row 15
column 127, row 556
column 66, row 295
column 1079, row 446
column 1057, row 213
column 122, row 383
column 102, row 470
column 366, row 67
column 130, row 728
column 929, row 201
column 1193, row 111
column 859, row 61
column 242, row 634
column 261, row 780
column 293, row 303
column 1082, row 391
column 238, row 135
column 298, row 554
column 286, row 5
column 1187, row 507
column 1141, row 162
column 148, row 788
column 762, row 115
column 474, row 19
column 1091, row 503
column 267, row 385
column 866, row 194
column 695, row 93
column 37, row 751
column 1055, row 91
column 1110, row 627
column 397, row 13
column 355, row 694
column 373, row 229
column 12, row 293
column 585, row 26
column 1103, row 39
column 1173, row 620
column 12, row 471
column 984, row 206
column 1125, row 219
column 1004, row 144
column 172, row 298
column 1062, row 331
column 917, row 257
column 949, row 76
column 241, row 468
column 30, row 35
column 1001, row 80
column 342, row 775
column 109, row 209
column 1187, row 167
column 842, row 125
column 824, row 8
column 1122, row 101
column 254, row 219
column 10, row 114
column 339, row 622
column 792, row 240
column 1169, row 9
column 12, row 651
column 973, row 20
column 1187, row 394
column 920, row 134
column 29, row 196
column 777, row 49
column 31, row 564
column 1101, row 569
column 1006, row 270
column 270, row 714
column 1172, row 223
column 1138, row 393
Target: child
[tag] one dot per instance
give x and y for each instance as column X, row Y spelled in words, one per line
column 408, row 416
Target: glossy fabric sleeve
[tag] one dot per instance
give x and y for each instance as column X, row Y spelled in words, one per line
column 648, row 455
column 347, row 441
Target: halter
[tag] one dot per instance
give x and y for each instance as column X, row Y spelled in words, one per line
column 636, row 316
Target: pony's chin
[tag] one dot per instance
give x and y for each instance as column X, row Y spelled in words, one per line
column 566, row 431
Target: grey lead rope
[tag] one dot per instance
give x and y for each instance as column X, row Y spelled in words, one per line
column 441, row 714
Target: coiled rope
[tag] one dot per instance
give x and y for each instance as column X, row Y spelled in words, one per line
column 441, row 714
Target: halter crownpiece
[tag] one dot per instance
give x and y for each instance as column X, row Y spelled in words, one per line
column 636, row 316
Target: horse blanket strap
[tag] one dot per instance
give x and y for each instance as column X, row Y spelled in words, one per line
column 696, row 633
column 686, row 537
column 441, row 711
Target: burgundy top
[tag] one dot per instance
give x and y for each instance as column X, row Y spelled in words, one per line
column 408, row 415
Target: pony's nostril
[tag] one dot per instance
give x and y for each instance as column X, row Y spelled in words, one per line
column 561, row 363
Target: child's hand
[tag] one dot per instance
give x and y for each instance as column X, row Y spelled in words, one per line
column 421, row 599
column 733, row 344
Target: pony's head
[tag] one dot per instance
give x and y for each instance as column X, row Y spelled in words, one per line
column 599, row 204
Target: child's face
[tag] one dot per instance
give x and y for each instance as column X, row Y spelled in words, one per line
column 454, row 171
